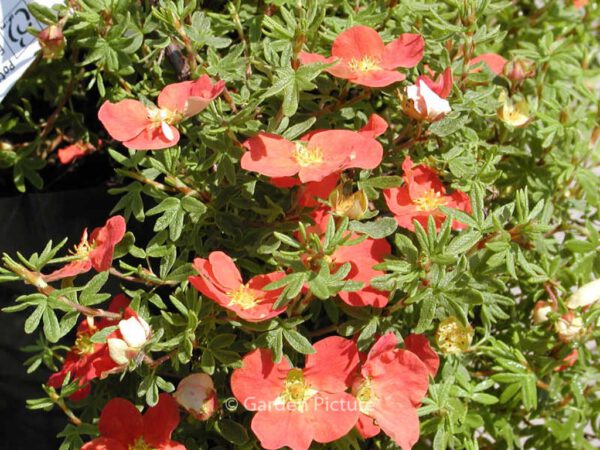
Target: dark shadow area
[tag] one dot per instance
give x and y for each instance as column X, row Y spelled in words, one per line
column 28, row 222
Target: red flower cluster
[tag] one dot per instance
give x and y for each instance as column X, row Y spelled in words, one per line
column 315, row 156
column 87, row 360
column 421, row 196
column 123, row 427
column 95, row 251
column 361, row 57
column 140, row 127
column 220, row 280
column 297, row 406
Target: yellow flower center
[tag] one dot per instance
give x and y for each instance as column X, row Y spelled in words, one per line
column 244, row 297
column 296, row 390
column 83, row 249
column 139, row 444
column 365, row 396
column 307, row 156
column 84, row 344
column 162, row 115
column 430, row 201
column 452, row 336
column 366, row 64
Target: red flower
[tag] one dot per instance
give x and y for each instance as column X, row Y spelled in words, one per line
column 95, row 251
column 580, row 3
column 389, row 389
column 313, row 157
column 296, row 406
column 220, row 280
column 421, row 196
column 87, row 360
column 67, row 155
column 123, row 427
column 151, row 128
column 364, row 59
column 492, row 60
column 362, row 257
column 374, row 128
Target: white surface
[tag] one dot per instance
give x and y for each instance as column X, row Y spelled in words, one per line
column 17, row 46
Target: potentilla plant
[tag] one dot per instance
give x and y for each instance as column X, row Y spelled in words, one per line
column 373, row 224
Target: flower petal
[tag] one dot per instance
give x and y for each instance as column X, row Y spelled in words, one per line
column 153, row 138
column 494, row 62
column 375, row 127
column 282, row 428
column 333, row 364
column 103, row 443
column 270, row 155
column 377, row 78
column 332, row 416
column 259, row 379
column 105, row 239
column 161, row 420
column 224, row 272
column 123, row 120
column 406, row 51
column 120, row 420
column 358, row 42
column 419, row 345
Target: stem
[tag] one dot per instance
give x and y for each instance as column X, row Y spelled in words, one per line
column 62, row 405
column 145, row 281
column 36, row 279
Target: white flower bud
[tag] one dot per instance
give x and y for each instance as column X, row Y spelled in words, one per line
column 196, row 394
column 586, row 295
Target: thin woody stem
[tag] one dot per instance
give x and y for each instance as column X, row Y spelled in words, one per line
column 35, row 279
column 62, row 405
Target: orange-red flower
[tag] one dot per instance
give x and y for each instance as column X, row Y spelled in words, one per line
column 95, row 251
column 389, row 388
column 421, row 196
column 375, row 127
column 142, row 127
column 297, row 406
column 88, row 360
column 123, row 427
column 362, row 257
column 494, row 61
column 313, row 157
column 220, row 280
column 67, row 155
column 361, row 56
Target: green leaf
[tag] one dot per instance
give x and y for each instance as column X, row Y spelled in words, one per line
column 298, row 342
column 377, row 229
column 232, row 431
column 51, row 325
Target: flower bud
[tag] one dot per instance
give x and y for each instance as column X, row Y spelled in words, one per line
column 540, row 312
column 52, row 42
column 519, row 69
column 513, row 114
column 586, row 295
column 452, row 337
column 353, row 205
column 569, row 326
column 196, row 394
column 421, row 103
column 133, row 334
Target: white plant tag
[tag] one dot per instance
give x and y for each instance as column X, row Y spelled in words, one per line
column 17, row 46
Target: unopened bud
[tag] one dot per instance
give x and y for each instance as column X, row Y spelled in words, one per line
column 540, row 312
column 519, row 69
column 52, row 42
column 452, row 336
column 351, row 205
column 196, row 394
column 569, row 326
